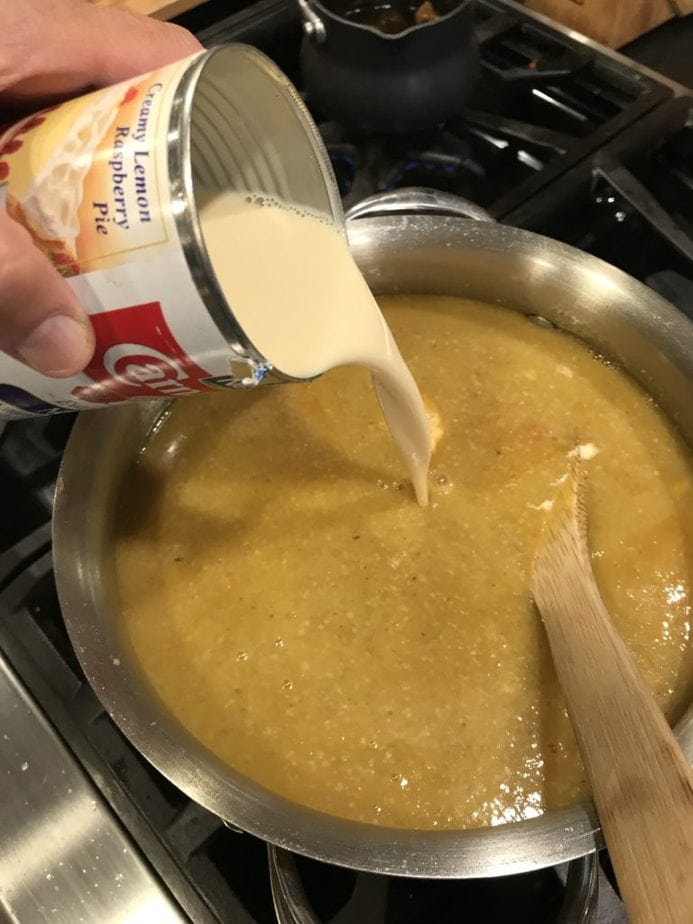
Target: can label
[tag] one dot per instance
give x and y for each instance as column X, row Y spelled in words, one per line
column 89, row 180
column 137, row 356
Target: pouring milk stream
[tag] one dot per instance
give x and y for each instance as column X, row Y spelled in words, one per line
column 302, row 301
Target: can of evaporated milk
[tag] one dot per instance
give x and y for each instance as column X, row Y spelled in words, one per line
column 105, row 184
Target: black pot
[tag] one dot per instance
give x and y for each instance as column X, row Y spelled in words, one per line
column 378, row 82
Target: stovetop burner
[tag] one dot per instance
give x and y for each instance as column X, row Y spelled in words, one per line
column 631, row 203
column 544, row 102
column 561, row 138
column 29, row 460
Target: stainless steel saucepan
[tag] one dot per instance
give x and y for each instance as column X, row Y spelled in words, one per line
column 405, row 253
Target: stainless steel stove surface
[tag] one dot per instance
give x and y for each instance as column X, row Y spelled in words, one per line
column 560, row 137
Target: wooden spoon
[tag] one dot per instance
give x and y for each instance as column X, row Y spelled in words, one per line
column 641, row 782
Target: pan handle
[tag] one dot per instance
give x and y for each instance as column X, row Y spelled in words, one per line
column 417, row 200
column 290, row 903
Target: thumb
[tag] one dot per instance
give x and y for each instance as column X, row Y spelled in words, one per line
column 41, row 322
column 54, row 48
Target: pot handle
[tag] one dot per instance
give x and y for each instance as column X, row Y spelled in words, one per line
column 581, row 899
column 292, row 907
column 417, row 200
column 313, row 26
column 290, row 902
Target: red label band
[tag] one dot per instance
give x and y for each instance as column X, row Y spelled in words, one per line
column 137, row 356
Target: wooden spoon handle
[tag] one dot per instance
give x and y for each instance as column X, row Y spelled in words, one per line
column 646, row 810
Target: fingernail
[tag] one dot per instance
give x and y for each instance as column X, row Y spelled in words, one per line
column 58, row 347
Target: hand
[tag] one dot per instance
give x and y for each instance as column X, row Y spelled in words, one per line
column 52, row 49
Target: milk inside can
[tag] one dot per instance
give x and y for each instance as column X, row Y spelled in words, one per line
column 107, row 186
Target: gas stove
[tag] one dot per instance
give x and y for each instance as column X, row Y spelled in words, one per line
column 560, row 137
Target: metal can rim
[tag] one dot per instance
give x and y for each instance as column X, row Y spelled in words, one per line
column 184, row 210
